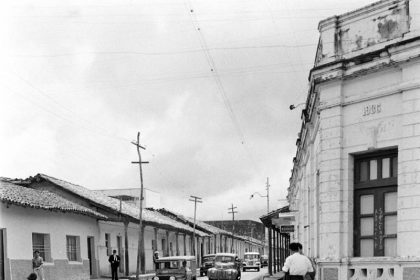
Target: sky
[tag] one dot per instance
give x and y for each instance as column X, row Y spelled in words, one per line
column 207, row 83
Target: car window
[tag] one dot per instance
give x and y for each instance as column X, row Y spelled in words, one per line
column 224, row 259
column 247, row 257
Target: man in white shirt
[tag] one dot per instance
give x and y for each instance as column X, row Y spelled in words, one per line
column 297, row 264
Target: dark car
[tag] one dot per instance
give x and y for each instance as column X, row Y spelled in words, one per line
column 176, row 268
column 264, row 260
column 226, row 267
column 206, row 263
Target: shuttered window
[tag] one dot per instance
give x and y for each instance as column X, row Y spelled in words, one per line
column 41, row 242
column 73, row 248
column 375, row 205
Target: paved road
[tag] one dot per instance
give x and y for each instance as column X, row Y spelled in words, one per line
column 248, row 275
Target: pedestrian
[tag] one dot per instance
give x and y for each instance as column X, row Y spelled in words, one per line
column 155, row 258
column 309, row 275
column 38, row 265
column 114, row 260
column 32, row 276
column 297, row 265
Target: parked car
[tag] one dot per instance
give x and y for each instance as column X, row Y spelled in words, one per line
column 264, row 260
column 226, row 267
column 206, row 264
column 251, row 261
column 176, row 268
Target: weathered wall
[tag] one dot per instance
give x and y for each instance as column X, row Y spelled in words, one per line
column 366, row 29
column 19, row 240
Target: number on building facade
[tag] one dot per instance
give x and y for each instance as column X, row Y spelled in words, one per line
column 372, row 109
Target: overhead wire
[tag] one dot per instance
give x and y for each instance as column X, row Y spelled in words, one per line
column 219, row 84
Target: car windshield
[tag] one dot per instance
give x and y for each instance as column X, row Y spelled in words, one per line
column 224, row 259
column 251, row 256
column 171, row 265
column 208, row 259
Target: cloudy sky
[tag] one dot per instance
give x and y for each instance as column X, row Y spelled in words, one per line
column 208, row 84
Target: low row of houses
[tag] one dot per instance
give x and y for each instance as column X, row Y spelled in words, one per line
column 76, row 229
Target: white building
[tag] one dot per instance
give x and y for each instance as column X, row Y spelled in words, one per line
column 64, row 232
column 356, row 176
column 120, row 230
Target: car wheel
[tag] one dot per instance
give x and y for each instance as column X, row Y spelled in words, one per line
column 243, row 269
column 258, row 269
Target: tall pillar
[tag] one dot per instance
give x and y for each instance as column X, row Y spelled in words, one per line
column 185, row 244
column 127, row 267
column 215, row 244
column 167, row 244
column 274, row 252
column 278, row 251
column 177, row 243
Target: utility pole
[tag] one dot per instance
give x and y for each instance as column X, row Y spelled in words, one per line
column 196, row 200
column 140, row 248
column 233, row 212
column 267, row 187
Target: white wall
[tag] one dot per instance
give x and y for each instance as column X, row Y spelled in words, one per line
column 21, row 222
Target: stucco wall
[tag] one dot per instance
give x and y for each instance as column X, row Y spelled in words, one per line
column 21, row 222
column 370, row 112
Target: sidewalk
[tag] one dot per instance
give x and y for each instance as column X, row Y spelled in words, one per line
column 275, row 276
column 148, row 276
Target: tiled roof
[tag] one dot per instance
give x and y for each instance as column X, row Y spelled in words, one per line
column 27, row 197
column 201, row 224
column 114, row 204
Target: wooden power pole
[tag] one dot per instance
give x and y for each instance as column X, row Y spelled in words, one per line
column 233, row 212
column 196, row 200
column 140, row 248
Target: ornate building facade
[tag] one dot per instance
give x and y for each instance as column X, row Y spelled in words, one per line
column 355, row 181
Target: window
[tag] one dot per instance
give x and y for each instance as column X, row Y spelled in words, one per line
column 41, row 242
column 73, row 248
column 108, row 243
column 375, row 204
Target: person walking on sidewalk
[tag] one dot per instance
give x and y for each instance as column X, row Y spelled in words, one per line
column 297, row 265
column 155, row 258
column 37, row 265
column 114, row 260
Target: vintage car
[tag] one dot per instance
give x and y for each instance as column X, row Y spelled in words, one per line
column 264, row 260
column 206, row 263
column 176, row 268
column 226, row 267
column 251, row 261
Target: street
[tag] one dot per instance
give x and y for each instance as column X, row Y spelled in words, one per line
column 248, row 275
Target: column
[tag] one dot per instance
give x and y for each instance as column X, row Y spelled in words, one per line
column 185, row 244
column 127, row 267
column 274, row 251
column 177, row 243
column 167, row 244
column 215, row 244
